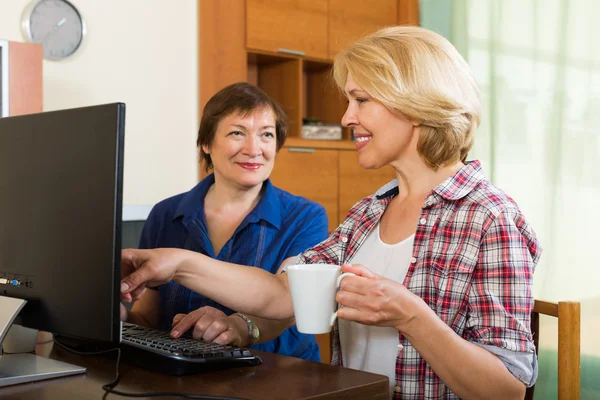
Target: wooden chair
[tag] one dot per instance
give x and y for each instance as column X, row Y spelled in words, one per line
column 568, row 314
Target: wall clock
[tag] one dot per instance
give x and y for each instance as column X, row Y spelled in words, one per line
column 56, row 24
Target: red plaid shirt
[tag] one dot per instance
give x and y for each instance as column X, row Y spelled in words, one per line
column 473, row 260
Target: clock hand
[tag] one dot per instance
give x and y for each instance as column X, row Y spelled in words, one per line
column 55, row 28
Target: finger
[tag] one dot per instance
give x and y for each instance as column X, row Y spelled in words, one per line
column 138, row 293
column 215, row 312
column 126, row 298
column 188, row 322
column 127, row 266
column 352, row 300
column 230, row 337
column 177, row 319
column 132, row 282
column 216, row 328
column 359, row 270
column 135, row 270
column 360, row 285
column 357, row 315
column 123, row 312
column 203, row 323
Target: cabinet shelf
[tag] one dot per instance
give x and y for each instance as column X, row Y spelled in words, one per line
column 304, row 86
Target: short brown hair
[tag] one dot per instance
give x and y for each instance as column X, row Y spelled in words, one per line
column 419, row 74
column 243, row 98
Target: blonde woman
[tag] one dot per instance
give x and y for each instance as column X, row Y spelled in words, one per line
column 444, row 260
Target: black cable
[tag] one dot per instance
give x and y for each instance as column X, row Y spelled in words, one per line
column 110, row 387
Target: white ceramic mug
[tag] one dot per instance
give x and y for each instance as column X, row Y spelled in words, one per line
column 313, row 288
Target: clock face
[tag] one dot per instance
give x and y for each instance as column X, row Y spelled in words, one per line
column 57, row 25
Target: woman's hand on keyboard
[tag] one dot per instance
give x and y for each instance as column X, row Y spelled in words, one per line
column 211, row 324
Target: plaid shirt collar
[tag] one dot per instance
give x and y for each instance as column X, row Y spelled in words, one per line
column 462, row 183
column 453, row 188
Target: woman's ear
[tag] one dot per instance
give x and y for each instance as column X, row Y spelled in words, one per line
column 205, row 149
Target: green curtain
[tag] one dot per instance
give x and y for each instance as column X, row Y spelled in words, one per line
column 538, row 65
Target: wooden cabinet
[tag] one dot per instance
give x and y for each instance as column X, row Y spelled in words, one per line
column 221, row 46
column 356, row 182
column 303, row 86
column 320, row 28
column 352, row 19
column 310, row 173
column 288, row 25
column 321, row 98
column 281, row 78
column 242, row 40
column 327, row 173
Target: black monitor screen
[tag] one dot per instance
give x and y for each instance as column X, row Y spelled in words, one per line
column 60, row 218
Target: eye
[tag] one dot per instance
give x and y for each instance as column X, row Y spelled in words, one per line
column 236, row 133
column 269, row 134
column 361, row 100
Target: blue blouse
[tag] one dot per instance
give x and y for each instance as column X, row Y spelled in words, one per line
column 280, row 226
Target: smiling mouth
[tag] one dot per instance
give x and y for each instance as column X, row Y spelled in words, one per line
column 250, row 166
column 362, row 141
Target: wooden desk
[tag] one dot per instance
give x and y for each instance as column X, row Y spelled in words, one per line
column 278, row 377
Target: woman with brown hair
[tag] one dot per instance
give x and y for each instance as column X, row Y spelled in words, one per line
column 233, row 215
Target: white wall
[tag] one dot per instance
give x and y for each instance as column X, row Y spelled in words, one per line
column 143, row 53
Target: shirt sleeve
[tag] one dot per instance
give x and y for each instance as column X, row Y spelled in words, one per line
column 149, row 231
column 312, row 232
column 323, row 253
column 501, row 299
column 523, row 366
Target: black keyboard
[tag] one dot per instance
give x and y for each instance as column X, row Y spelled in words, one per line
column 155, row 349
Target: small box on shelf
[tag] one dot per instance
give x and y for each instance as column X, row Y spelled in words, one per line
column 321, row 131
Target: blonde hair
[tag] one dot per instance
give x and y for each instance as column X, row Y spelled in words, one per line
column 419, row 74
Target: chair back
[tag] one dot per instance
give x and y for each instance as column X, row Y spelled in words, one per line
column 568, row 314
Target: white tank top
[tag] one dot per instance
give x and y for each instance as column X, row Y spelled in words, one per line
column 371, row 348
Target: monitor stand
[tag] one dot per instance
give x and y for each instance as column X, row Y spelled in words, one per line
column 26, row 367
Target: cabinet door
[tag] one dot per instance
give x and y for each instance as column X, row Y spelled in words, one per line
column 356, row 182
column 222, row 46
column 298, row 25
column 24, row 87
column 352, row 19
column 310, row 173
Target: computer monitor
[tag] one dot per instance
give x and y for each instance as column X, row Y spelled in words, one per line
column 61, row 179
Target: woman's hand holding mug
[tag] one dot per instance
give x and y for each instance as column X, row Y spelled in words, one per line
column 313, row 288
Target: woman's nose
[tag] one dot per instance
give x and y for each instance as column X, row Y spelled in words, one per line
column 349, row 118
column 252, row 146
